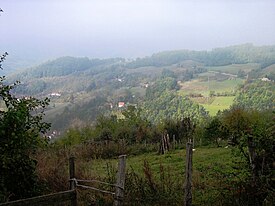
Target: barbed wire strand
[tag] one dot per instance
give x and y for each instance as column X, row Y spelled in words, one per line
column 96, row 189
column 97, row 181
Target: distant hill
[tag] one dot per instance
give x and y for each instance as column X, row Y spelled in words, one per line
column 240, row 54
column 81, row 88
column 14, row 64
column 63, row 66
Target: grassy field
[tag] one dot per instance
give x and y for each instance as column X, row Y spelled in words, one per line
column 56, row 108
column 166, row 173
column 204, row 87
column 219, row 103
column 234, row 68
column 174, row 161
column 213, row 104
column 220, row 86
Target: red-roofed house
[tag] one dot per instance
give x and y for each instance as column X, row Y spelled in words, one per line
column 121, row 104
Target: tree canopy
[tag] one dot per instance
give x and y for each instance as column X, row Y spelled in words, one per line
column 21, row 123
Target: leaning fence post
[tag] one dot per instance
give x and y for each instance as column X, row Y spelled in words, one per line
column 188, row 175
column 120, row 181
column 72, row 178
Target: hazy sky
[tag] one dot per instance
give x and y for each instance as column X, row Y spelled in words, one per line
column 131, row 28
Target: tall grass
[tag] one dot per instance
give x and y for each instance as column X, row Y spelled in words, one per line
column 151, row 179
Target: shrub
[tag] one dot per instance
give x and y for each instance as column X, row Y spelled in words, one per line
column 20, row 128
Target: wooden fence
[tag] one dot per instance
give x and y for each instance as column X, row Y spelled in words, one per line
column 188, row 174
column 45, row 199
column 71, row 195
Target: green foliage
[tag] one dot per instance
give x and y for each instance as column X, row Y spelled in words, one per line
column 21, row 124
column 168, row 73
column 215, row 131
column 64, row 66
column 160, row 86
column 34, row 87
column 95, row 84
column 181, row 130
column 132, row 128
column 252, row 133
column 152, row 189
column 80, row 114
column 237, row 121
column 271, row 76
column 169, row 105
column 246, row 53
column 241, row 73
column 257, row 94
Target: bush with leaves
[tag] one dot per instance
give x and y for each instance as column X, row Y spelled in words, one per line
column 215, row 131
column 21, row 126
column 252, row 133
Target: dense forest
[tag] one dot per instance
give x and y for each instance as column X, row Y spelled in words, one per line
column 241, row 54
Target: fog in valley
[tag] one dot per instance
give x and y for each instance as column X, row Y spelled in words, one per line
column 34, row 31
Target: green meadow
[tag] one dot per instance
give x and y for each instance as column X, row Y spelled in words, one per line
column 219, row 103
column 216, row 103
column 174, row 161
column 167, row 173
column 234, row 68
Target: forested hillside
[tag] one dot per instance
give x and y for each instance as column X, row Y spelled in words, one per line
column 168, row 84
column 259, row 95
column 240, row 54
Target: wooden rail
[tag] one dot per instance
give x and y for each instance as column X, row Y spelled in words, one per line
column 71, row 195
column 45, row 199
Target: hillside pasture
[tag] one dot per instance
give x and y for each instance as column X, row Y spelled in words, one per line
column 174, row 160
column 158, row 179
column 219, row 103
column 214, row 104
column 270, row 68
column 204, row 87
column 234, row 68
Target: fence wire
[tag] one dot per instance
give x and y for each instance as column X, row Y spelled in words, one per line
column 96, row 189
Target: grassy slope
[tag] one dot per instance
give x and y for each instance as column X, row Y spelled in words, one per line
column 269, row 68
column 221, row 86
column 207, row 164
column 234, row 68
column 175, row 160
column 204, row 87
column 219, row 103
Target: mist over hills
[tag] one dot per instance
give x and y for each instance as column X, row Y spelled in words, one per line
column 81, row 88
column 96, row 83
column 244, row 53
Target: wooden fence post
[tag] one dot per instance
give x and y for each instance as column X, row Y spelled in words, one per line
column 120, row 181
column 174, row 142
column 72, row 178
column 188, row 175
column 164, row 144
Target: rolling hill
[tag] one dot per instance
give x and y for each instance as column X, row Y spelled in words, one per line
column 81, row 88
